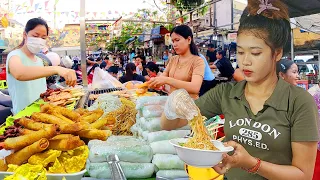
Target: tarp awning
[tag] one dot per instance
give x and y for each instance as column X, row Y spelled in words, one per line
column 299, row 8
column 155, row 32
column 128, row 41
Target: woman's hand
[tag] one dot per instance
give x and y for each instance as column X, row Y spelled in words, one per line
column 240, row 159
column 158, row 81
column 69, row 75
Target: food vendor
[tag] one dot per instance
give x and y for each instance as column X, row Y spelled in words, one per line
column 26, row 72
column 186, row 69
column 288, row 71
column 270, row 123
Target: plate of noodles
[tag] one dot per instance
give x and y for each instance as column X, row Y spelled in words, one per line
column 200, row 150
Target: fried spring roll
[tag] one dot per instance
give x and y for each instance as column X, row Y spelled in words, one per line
column 95, row 115
column 47, row 118
column 62, row 136
column 32, row 125
column 71, row 128
column 94, row 134
column 24, row 131
column 74, row 116
column 20, row 142
column 81, row 111
column 66, row 144
column 3, row 165
column 63, row 118
column 100, row 122
column 24, row 154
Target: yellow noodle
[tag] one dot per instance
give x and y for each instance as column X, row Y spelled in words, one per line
column 201, row 138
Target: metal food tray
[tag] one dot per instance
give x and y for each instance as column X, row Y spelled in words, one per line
column 89, row 102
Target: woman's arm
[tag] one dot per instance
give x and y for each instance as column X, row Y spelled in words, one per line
column 304, row 156
column 27, row 73
column 302, row 166
column 192, row 87
column 172, row 124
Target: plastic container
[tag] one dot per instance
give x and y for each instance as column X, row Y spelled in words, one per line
column 71, row 176
column 205, row 158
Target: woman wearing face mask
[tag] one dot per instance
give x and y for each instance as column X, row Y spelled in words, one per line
column 288, row 71
column 25, row 71
column 271, row 124
column 186, row 69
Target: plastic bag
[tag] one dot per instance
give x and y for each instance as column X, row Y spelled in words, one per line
column 151, row 100
column 180, row 105
column 103, row 80
column 152, row 111
column 130, row 151
column 167, row 161
column 172, row 174
column 166, row 135
column 131, row 170
column 163, row 147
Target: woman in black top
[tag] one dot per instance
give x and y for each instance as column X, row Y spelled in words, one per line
column 131, row 74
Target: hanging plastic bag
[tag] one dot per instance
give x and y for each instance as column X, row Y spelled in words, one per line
column 103, row 80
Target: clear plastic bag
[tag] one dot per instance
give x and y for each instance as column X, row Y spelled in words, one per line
column 180, row 105
column 103, row 80
column 152, row 111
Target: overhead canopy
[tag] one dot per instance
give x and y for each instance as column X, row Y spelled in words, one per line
column 130, row 40
column 299, row 8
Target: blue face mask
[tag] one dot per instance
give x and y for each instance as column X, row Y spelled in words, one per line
column 165, row 57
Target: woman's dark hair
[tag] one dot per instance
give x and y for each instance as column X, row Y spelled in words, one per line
column 106, row 58
column 273, row 26
column 185, row 31
column 103, row 65
column 143, row 59
column 93, row 67
column 99, row 59
column 114, row 69
column 153, row 67
column 130, row 68
column 33, row 23
column 284, row 65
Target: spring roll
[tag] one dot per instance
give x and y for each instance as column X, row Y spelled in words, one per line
column 47, row 118
column 74, row 116
column 100, row 122
column 71, row 128
column 20, row 142
column 81, row 111
column 95, row 115
column 24, row 131
column 3, row 165
column 63, row 118
column 94, row 134
column 62, row 136
column 24, row 154
column 66, row 144
column 32, row 125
